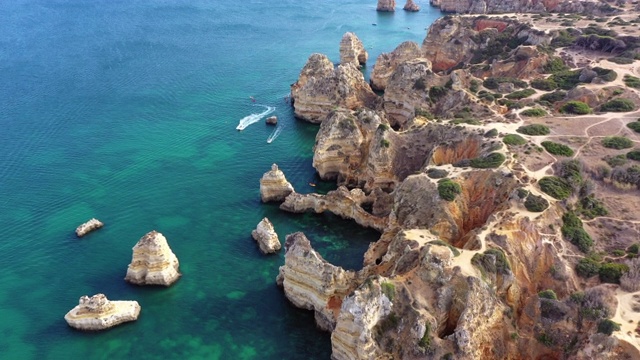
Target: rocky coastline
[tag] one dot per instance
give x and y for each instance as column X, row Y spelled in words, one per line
column 99, row 313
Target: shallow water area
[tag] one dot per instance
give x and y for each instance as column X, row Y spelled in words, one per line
column 127, row 112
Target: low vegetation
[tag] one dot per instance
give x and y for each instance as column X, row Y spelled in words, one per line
column 514, row 139
column 493, row 82
column 535, row 112
column 617, row 142
column 572, row 230
column 575, row 107
column 611, row 272
column 534, row 130
column 556, row 187
column 557, row 149
column 618, row 105
column 520, row 94
column 535, row 203
column 631, row 81
column 635, row 126
column 544, row 84
column 548, row 294
column 492, row 261
column 553, row 97
column 448, row 189
column 492, row 160
column 607, row 327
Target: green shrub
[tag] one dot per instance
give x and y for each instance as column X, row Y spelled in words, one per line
column 384, row 143
column 606, row 75
column 425, row 341
column 548, row 294
column 520, row 94
column 614, row 161
column 557, row 149
column 611, row 272
column 474, row 85
column 587, row 267
column 634, row 155
column 436, row 92
column 556, row 187
column 388, row 289
column 590, row 207
column 534, row 129
column 572, row 230
column 635, row 126
column 634, row 249
column 607, row 327
column 618, row 253
column 553, row 97
column 617, row 142
column 448, row 190
column 631, row 81
column 575, row 107
column 494, row 82
column 492, row 261
column 514, row 139
column 383, row 127
column 424, row 113
column 493, row 133
column 535, row 203
column 618, row 105
column 566, row 80
column 535, row 112
column 545, row 339
column 555, row 64
column 492, row 160
column 544, row 84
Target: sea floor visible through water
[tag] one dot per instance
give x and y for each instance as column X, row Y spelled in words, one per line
column 127, row 111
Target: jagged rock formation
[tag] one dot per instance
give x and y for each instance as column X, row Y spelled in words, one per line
column 411, row 6
column 98, row 313
column 89, row 226
column 386, row 5
column 528, row 6
column 153, row 262
column 341, row 202
column 352, row 51
column 387, row 63
column 321, row 88
column 310, row 282
column 274, row 185
column 266, row 237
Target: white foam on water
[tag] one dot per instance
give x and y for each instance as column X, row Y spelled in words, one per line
column 276, row 132
column 254, row 118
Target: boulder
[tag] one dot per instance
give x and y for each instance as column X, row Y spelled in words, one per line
column 274, row 185
column 98, row 313
column 272, row 120
column 352, row 51
column 386, row 5
column 411, row 6
column 88, row 227
column 266, row 237
column 153, row 262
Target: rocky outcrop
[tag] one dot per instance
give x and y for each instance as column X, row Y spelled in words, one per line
column 321, row 88
column 386, row 5
column 153, row 262
column 352, row 51
column 98, row 313
column 387, row 63
column 274, row 185
column 411, row 6
column 449, row 42
column 266, row 237
column 89, row 226
column 272, row 120
column 528, row 6
column 311, row 283
column 342, row 202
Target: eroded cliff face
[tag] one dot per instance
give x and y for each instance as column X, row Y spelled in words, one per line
column 529, row 6
column 352, row 51
column 387, row 63
column 321, row 88
column 386, row 5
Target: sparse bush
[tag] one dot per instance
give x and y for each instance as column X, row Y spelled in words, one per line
column 617, row 142
column 514, row 139
column 520, row 94
column 554, row 96
column 634, row 155
column 607, row 327
column 493, row 133
column 630, row 281
column 614, row 161
column 474, row 86
column 556, row 187
column 612, row 272
column 534, row 130
column 388, row 289
column 634, row 249
column 575, row 107
column 590, row 207
column 384, row 143
column 535, row 203
column 555, row 64
column 448, row 190
column 492, row 261
column 557, row 149
column 492, row 160
column 493, row 82
column 548, row 294
column 566, row 80
column 606, row 75
column 543, row 84
column 535, row 112
column 618, row 105
column 631, row 81
column 436, row 92
column 587, row 267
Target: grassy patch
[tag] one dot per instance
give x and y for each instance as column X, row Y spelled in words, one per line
column 492, row 160
column 566, row 80
column 617, row 142
column 634, row 155
column 553, row 97
column 618, row 105
column 448, row 190
column 556, row 187
column 535, row 112
column 635, row 126
column 534, row 130
column 388, row 289
column 520, row 94
column 544, row 84
column 631, row 81
column 557, row 149
column 575, row 107
column 548, row 294
column 514, row 139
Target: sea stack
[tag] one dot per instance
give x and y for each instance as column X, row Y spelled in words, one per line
column 272, row 120
column 411, row 6
column 153, row 262
column 98, row 313
column 266, row 237
column 386, row 5
column 88, row 227
column 274, row 185
column 352, row 51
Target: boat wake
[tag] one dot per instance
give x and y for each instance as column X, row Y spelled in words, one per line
column 276, row 132
column 254, row 118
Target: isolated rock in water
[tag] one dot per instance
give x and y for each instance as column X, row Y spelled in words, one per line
column 274, row 185
column 272, row 120
column 153, row 262
column 88, row 227
column 266, row 237
column 98, row 313
column 411, row 6
column 352, row 51
column 387, row 63
column 386, row 5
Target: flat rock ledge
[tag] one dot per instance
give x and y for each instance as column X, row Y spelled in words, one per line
column 98, row 313
column 266, row 237
column 274, row 185
column 153, row 262
column 88, row 227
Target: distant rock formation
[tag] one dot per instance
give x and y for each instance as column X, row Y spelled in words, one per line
column 529, row 6
column 387, row 63
column 411, row 6
column 352, row 51
column 272, row 120
column 98, row 313
column 89, row 226
column 274, row 185
column 153, row 262
column 321, row 88
column 266, row 237
column 386, row 5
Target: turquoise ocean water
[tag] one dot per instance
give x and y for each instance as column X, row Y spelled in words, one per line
column 126, row 111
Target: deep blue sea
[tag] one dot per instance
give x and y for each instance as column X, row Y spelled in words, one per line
column 126, row 110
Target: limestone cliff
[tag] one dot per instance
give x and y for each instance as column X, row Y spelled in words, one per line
column 88, row 227
column 527, row 6
column 266, row 237
column 274, row 185
column 153, row 262
column 387, row 63
column 411, row 6
column 386, row 5
column 321, row 88
column 352, row 51
column 98, row 313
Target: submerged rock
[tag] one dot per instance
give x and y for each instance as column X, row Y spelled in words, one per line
column 352, row 51
column 272, row 120
column 411, row 6
column 386, row 5
column 153, row 262
column 88, row 227
column 274, row 185
column 266, row 237
column 98, row 313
